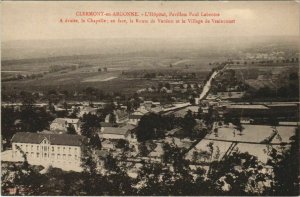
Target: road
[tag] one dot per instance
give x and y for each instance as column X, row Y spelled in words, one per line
column 207, row 86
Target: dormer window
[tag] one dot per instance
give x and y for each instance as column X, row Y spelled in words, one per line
column 45, row 141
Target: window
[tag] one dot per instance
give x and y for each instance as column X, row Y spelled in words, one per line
column 37, row 147
column 37, row 155
column 31, row 147
column 52, row 149
column 45, row 148
column 58, row 156
column 45, row 155
column 75, row 157
column 64, row 156
column 69, row 149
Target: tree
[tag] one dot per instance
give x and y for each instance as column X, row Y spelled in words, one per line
column 8, row 119
column 90, row 127
column 123, row 144
column 23, row 177
column 71, row 129
column 90, row 175
column 34, row 119
column 238, row 174
column 74, row 112
column 112, row 118
column 238, row 125
column 188, row 123
column 150, row 127
column 285, row 164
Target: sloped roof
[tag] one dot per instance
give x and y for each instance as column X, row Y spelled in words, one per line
column 89, row 109
column 115, row 130
column 118, row 130
column 135, row 116
column 55, row 139
column 64, row 120
column 247, row 107
column 106, row 124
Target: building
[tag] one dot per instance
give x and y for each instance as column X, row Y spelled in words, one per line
column 249, row 111
column 58, row 150
column 88, row 110
column 62, row 124
column 136, row 116
column 116, row 132
column 121, row 116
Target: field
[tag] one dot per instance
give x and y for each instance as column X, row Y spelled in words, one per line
column 87, row 74
column 251, row 134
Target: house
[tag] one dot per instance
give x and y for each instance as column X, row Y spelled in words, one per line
column 62, row 124
column 136, row 116
column 59, row 150
column 116, row 132
column 106, row 124
column 121, row 116
column 88, row 110
column 245, row 120
column 166, row 90
column 247, row 110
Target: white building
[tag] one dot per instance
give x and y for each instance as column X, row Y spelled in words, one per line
column 121, row 116
column 59, row 150
column 136, row 116
column 123, row 132
column 87, row 110
column 62, row 124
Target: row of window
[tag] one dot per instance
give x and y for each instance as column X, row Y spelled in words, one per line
column 45, row 148
column 52, row 155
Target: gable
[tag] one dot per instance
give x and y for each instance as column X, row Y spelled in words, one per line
column 45, row 141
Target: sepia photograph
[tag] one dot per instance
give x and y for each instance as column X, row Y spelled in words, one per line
column 150, row 98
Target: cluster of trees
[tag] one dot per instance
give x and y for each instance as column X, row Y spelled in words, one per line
column 23, row 76
column 25, row 119
column 90, row 127
column 57, row 68
column 154, row 126
column 237, row 174
column 102, row 69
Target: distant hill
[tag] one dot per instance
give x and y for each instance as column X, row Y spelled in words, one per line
column 37, row 49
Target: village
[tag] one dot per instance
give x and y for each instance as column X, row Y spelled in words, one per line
column 208, row 127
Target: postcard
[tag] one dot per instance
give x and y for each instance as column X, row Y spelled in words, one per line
column 150, row 98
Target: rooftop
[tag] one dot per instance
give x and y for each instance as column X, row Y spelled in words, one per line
column 54, row 139
column 247, row 107
column 118, row 130
column 65, row 120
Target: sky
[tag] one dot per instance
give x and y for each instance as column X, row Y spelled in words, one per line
column 40, row 20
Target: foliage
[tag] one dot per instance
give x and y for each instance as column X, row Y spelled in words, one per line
column 90, row 127
column 71, row 129
column 285, row 164
column 188, row 123
column 151, row 126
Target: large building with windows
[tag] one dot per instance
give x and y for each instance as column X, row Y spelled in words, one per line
column 58, row 150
